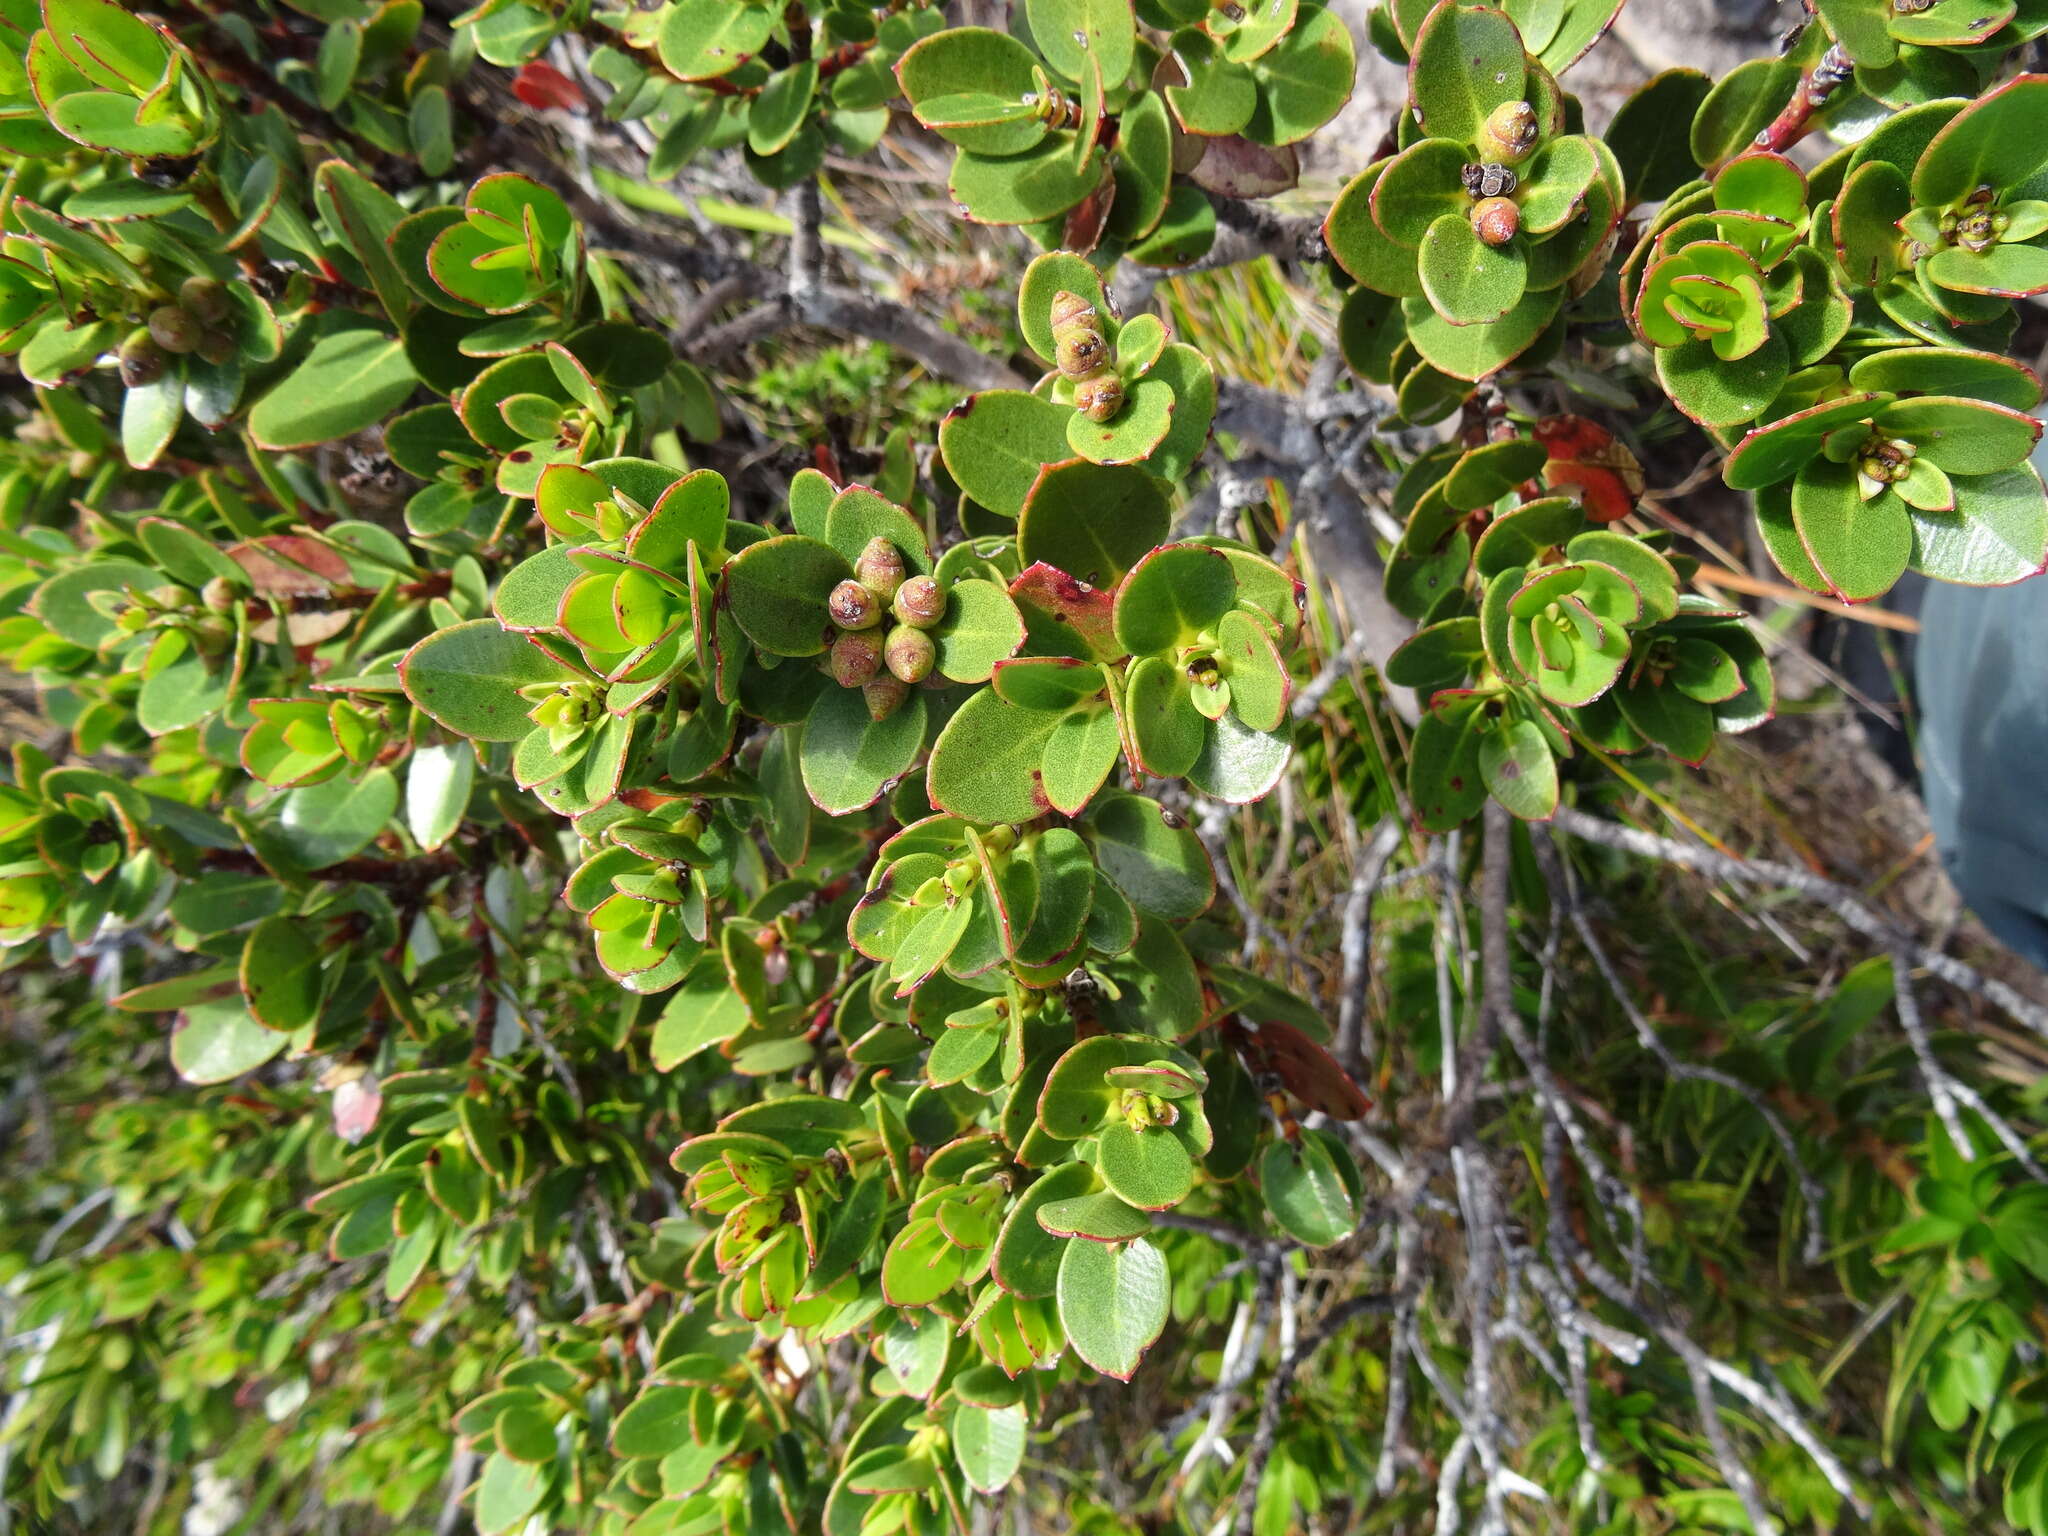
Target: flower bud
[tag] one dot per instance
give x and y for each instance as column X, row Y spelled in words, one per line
column 853, row 606
column 919, row 603
column 205, row 299
column 1509, row 133
column 885, row 695
column 1077, row 341
column 173, row 329
column 855, row 658
column 1496, row 220
column 141, row 360
column 1100, row 397
column 880, row 568
column 217, row 347
column 217, row 594
column 910, row 654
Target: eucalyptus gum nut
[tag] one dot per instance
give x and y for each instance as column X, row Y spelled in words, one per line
column 920, row 604
column 853, row 606
column 884, row 696
column 909, row 654
column 1496, row 220
column 206, row 300
column 880, row 568
column 141, row 360
column 1100, row 397
column 854, row 658
column 172, row 329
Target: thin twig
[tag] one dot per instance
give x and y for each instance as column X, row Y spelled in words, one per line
column 1839, row 899
column 1267, row 1434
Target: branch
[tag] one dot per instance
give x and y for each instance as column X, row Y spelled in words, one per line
column 1222, row 1232
column 1496, row 983
column 1944, row 1088
column 1811, row 1190
column 1267, row 1435
column 1353, row 1044
column 875, row 319
column 1733, row 1472
column 1244, row 232
column 1839, row 899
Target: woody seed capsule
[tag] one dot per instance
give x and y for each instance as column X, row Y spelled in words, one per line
column 879, row 568
column 919, row 603
column 853, row 606
column 885, row 695
column 1496, row 220
column 1100, row 397
column 910, row 654
column 855, row 658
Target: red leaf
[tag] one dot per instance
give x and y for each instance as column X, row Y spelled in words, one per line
column 1083, row 231
column 1585, row 457
column 1236, row 167
column 287, row 565
column 541, row 86
column 1310, row 1072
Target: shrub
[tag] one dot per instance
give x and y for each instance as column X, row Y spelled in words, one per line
column 450, row 722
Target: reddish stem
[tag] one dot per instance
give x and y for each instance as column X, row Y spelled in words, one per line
column 1808, row 97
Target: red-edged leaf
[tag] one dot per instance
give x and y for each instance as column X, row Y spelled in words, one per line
column 1057, row 605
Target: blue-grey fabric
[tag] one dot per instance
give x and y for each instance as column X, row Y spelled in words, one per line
column 1981, row 673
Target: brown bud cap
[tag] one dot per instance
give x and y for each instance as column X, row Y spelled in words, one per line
column 1099, row 397
column 206, row 300
column 216, row 346
column 855, row 658
column 173, row 329
column 1496, row 220
column 919, row 603
column 853, row 606
column 217, row 594
column 141, row 360
column 910, row 654
column 1509, row 133
column 880, row 568
column 885, row 695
